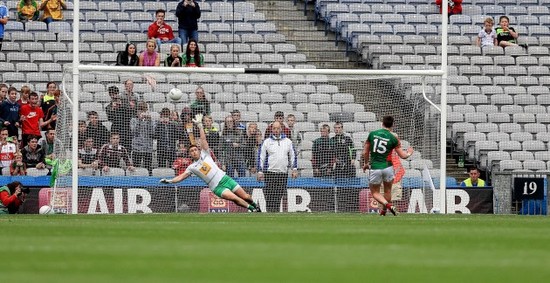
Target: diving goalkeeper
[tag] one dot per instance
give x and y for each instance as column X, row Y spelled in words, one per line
column 377, row 155
column 223, row 186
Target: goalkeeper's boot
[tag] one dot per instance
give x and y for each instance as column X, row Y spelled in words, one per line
column 392, row 209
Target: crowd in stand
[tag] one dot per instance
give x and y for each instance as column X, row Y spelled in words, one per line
column 27, row 129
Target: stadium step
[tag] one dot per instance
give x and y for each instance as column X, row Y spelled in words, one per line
column 299, row 29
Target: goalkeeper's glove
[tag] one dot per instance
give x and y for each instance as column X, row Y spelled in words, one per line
column 165, row 181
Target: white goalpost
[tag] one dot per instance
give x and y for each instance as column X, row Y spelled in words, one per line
column 417, row 97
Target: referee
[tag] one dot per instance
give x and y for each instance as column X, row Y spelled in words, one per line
column 273, row 163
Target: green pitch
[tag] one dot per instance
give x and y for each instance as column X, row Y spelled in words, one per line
column 274, row 248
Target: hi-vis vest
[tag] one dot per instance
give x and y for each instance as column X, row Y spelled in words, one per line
column 480, row 183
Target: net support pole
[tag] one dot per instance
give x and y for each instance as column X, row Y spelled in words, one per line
column 443, row 129
column 74, row 118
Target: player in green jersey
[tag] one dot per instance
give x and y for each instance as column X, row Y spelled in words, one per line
column 377, row 156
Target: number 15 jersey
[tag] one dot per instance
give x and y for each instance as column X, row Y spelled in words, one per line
column 206, row 169
column 382, row 142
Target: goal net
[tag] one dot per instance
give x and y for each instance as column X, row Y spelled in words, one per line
column 131, row 134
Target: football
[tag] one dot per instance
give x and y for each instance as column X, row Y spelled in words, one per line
column 175, row 94
column 46, row 209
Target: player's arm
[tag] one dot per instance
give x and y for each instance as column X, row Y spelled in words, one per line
column 366, row 155
column 176, row 179
column 204, row 141
column 402, row 153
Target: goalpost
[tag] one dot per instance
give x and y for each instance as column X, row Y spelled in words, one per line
column 420, row 122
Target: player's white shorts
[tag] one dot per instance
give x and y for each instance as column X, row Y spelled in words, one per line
column 377, row 175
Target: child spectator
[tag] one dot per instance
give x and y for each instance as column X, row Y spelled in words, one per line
column 9, row 113
column 487, row 36
column 201, row 105
column 48, row 98
column 112, row 153
column 193, row 56
column 506, row 35
column 252, row 141
column 87, row 155
column 7, row 149
column 31, row 117
column 232, row 142
column 95, row 130
column 50, row 116
column 3, row 92
column 212, row 133
column 27, row 11
column 18, row 167
column 128, row 57
column 24, row 95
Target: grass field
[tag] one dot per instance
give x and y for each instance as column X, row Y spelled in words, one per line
column 275, row 248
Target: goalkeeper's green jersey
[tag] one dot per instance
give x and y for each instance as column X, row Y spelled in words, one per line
column 382, row 142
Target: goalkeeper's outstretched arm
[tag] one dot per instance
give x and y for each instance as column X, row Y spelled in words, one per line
column 404, row 154
column 176, row 179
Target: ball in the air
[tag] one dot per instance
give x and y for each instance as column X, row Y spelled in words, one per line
column 175, row 94
column 46, row 209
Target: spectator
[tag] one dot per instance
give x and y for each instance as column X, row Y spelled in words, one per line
column 129, row 95
column 212, row 133
column 193, row 56
column 128, row 57
column 173, row 59
column 7, row 150
column 112, row 153
column 27, row 11
column 182, row 161
column 33, row 155
column 49, row 144
column 48, row 98
column 191, row 132
column 18, row 167
column 232, row 141
column 3, row 92
column 161, row 31
column 252, row 141
column 188, row 12
column 143, row 129
column 166, row 134
column 4, row 17
column 12, row 196
column 24, row 95
column 201, row 105
column 344, row 152
column 323, row 154
column 150, row 57
column 119, row 114
column 487, row 36
column 236, row 114
column 273, row 163
column 294, row 136
column 87, row 155
column 455, row 6
column 52, row 10
column 31, row 118
column 82, row 132
column 51, row 114
column 506, row 35
column 279, row 117
column 474, row 180
column 95, row 130
column 9, row 113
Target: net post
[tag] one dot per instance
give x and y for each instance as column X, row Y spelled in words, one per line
column 74, row 118
column 443, row 129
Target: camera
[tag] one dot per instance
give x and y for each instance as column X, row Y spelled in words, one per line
column 25, row 190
